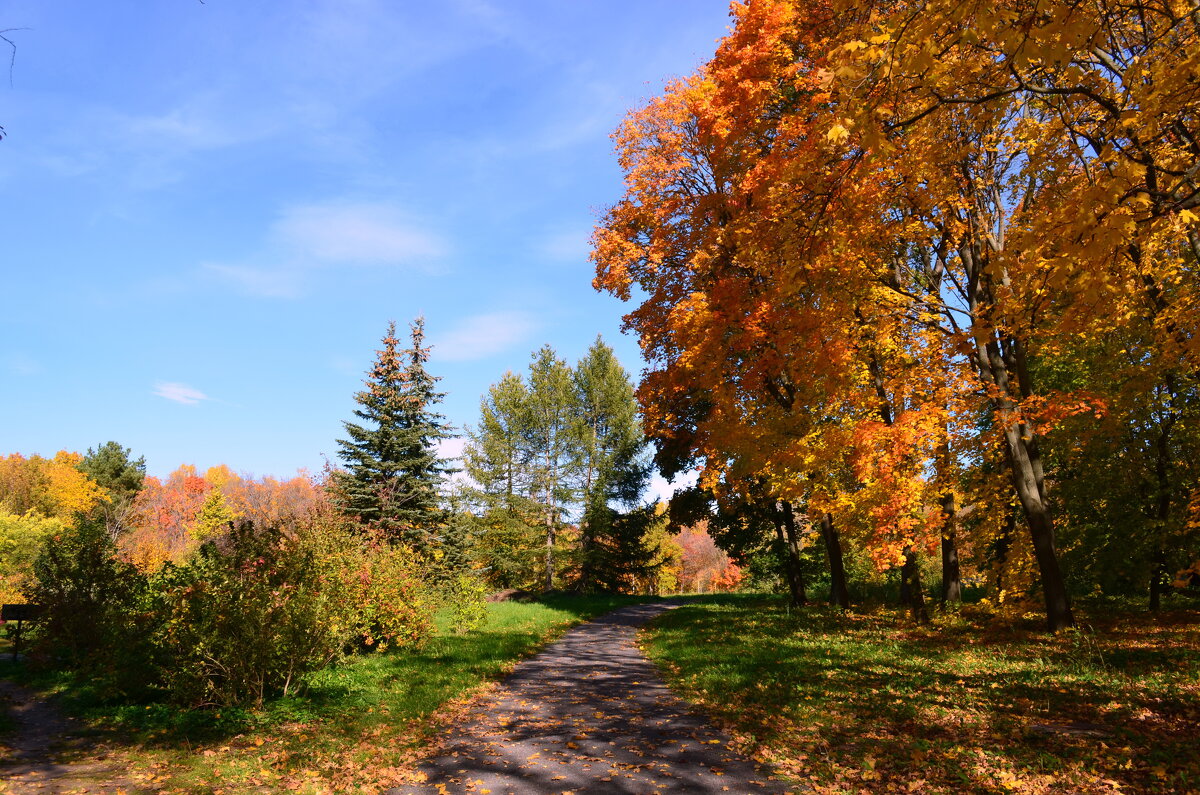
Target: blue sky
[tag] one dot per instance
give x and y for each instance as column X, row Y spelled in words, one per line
column 211, row 211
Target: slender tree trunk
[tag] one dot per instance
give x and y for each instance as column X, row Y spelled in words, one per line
column 838, row 593
column 1003, row 545
column 780, row 515
column 1001, row 364
column 951, row 577
column 549, row 583
column 1158, row 579
column 1162, row 465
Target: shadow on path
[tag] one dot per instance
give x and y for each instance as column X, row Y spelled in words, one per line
column 32, row 754
column 589, row 714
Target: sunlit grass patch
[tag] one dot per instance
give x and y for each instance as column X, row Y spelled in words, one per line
column 864, row 702
column 358, row 726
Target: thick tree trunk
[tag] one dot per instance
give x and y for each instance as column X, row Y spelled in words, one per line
column 785, row 530
column 1024, row 470
column 951, row 577
column 912, row 593
column 838, row 593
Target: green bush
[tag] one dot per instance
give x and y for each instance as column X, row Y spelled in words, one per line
column 467, row 595
column 250, row 614
column 100, row 615
column 392, row 600
column 243, row 620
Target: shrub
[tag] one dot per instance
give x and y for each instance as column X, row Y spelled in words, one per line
column 467, row 594
column 99, row 615
column 242, row 620
column 392, row 599
column 251, row 613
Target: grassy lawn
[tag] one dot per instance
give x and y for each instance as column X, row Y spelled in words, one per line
column 866, row 702
column 358, row 727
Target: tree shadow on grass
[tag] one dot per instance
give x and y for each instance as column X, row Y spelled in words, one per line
column 858, row 697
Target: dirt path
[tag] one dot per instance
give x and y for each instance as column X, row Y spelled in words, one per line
column 589, row 715
column 36, row 755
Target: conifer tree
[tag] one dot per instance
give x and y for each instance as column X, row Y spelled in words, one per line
column 612, row 469
column 114, row 469
column 393, row 471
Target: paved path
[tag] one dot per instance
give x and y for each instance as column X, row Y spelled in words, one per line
column 589, row 715
column 31, row 755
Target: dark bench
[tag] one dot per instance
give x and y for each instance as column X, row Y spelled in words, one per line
column 20, row 614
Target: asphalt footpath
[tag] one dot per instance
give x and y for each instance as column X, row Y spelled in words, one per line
column 589, row 714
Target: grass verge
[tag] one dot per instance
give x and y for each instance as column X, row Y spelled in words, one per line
column 358, row 727
column 866, row 702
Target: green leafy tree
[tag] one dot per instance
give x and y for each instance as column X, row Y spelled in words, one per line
column 393, row 472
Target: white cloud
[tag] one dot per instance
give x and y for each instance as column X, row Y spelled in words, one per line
column 22, row 364
column 308, row 238
column 662, row 489
column 180, row 393
column 199, row 123
column 570, row 246
column 269, row 283
column 451, row 448
column 483, row 335
column 370, row 233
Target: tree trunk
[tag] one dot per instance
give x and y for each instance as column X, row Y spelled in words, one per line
column 1000, row 361
column 838, row 593
column 1041, row 529
column 785, row 533
column 951, row 578
column 912, row 593
column 549, row 584
column 1002, row 547
column 1158, row 579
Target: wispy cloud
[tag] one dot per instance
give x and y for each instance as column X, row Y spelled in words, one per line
column 369, row 233
column 179, row 393
column 483, row 335
column 308, row 238
column 22, row 364
column 569, row 246
column 265, row 282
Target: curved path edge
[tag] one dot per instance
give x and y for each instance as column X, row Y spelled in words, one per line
column 589, row 714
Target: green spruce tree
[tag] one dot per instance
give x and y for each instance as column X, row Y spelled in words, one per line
column 394, row 474
column 613, row 472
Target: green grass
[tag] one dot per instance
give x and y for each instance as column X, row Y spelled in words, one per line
column 866, row 702
column 357, row 726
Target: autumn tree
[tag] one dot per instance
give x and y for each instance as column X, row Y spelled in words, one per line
column 51, row 487
column 855, row 211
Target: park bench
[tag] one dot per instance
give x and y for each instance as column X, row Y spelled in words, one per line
column 20, row 614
